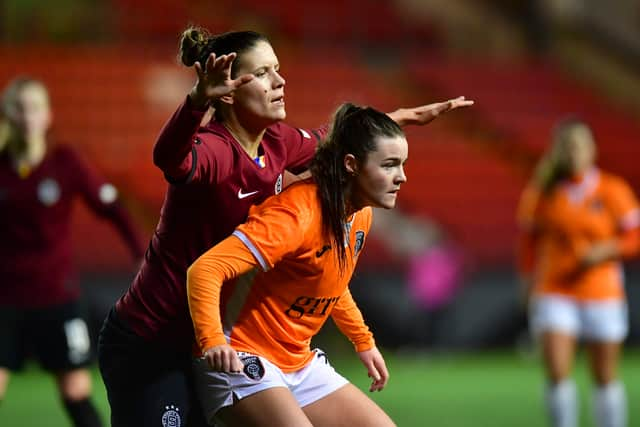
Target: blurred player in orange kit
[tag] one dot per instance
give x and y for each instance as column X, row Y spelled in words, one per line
column 39, row 296
column 285, row 271
column 578, row 223
column 216, row 170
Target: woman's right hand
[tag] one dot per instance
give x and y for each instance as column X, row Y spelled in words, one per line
column 215, row 79
column 223, row 358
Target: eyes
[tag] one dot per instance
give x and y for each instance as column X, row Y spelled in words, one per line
column 393, row 163
column 264, row 71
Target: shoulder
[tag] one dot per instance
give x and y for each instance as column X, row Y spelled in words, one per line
column 213, row 136
column 365, row 216
column 65, row 154
column 283, row 131
column 613, row 184
column 611, row 180
column 300, row 198
column 531, row 196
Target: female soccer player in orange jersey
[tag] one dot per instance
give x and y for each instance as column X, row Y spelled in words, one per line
column 285, row 271
column 40, row 313
column 216, row 169
column 578, row 222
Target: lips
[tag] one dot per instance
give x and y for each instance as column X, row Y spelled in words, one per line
column 278, row 99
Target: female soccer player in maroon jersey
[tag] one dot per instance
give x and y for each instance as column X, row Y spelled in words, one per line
column 216, row 170
column 39, row 309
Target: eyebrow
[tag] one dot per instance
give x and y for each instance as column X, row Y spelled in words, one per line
column 265, row 67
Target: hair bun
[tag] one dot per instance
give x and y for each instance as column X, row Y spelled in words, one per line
column 192, row 42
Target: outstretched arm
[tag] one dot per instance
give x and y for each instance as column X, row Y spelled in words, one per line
column 427, row 113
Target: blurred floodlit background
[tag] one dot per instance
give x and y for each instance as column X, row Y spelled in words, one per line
column 439, row 277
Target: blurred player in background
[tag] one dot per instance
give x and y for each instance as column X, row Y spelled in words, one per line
column 40, row 313
column 298, row 250
column 216, row 169
column 578, row 223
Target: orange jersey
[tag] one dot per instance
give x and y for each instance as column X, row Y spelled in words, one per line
column 276, row 309
column 559, row 227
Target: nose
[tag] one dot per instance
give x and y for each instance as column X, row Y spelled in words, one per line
column 278, row 80
column 401, row 177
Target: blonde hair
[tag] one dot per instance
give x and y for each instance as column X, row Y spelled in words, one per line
column 8, row 103
column 551, row 169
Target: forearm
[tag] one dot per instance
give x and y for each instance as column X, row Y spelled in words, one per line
column 172, row 151
column 350, row 322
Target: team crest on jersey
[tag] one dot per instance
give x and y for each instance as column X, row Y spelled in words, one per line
column 48, row 191
column 359, row 243
column 252, row 367
column 171, row 416
column 278, row 188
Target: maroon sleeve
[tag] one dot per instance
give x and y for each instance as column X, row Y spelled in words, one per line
column 102, row 198
column 301, row 146
column 173, row 152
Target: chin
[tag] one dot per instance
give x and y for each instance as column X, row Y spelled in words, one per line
column 386, row 205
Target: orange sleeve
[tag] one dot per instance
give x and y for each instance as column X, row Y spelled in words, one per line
column 624, row 205
column 527, row 235
column 349, row 320
column 226, row 260
column 629, row 243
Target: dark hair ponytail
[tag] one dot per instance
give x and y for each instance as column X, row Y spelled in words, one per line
column 353, row 131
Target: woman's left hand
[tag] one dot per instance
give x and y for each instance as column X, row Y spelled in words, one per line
column 427, row 113
column 376, row 368
column 599, row 253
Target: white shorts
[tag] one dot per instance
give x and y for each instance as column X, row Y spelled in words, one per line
column 602, row 321
column 218, row 389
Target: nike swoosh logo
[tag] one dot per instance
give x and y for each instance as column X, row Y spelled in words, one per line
column 242, row 195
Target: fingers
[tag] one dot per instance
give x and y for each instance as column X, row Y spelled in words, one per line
column 242, row 80
column 224, row 359
column 377, row 371
column 379, row 374
column 199, row 70
column 236, row 364
column 222, row 64
column 460, row 101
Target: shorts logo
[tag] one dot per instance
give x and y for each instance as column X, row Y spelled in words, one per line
column 278, row 188
column 253, row 367
column 171, row 417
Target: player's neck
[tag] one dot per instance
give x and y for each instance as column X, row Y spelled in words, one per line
column 248, row 139
column 26, row 156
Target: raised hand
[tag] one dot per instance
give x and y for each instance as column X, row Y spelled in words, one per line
column 214, row 80
column 427, row 113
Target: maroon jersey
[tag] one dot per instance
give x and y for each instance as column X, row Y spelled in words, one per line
column 212, row 184
column 35, row 216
